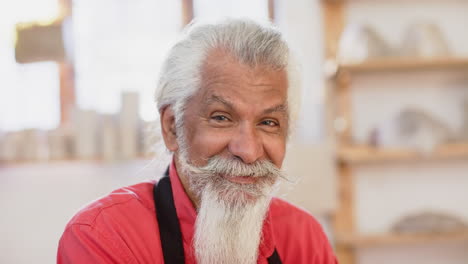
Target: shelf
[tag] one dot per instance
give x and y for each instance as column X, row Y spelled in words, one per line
column 403, row 64
column 401, row 239
column 367, row 154
column 98, row 161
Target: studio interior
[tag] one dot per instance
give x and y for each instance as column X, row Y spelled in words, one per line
column 378, row 153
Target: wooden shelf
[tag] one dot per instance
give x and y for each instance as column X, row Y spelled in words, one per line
column 367, row 154
column 403, row 64
column 73, row 161
column 340, row 80
column 401, row 239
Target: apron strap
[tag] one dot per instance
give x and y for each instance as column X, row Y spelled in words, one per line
column 274, row 259
column 169, row 228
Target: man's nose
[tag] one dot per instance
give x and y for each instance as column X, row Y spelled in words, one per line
column 246, row 144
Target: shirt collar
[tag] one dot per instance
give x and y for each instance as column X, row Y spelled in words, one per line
column 184, row 207
column 187, row 215
column 267, row 245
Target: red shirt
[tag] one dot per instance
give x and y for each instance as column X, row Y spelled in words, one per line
column 122, row 228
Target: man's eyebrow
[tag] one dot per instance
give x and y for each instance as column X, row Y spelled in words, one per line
column 218, row 99
column 282, row 108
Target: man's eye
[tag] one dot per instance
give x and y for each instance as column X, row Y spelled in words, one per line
column 269, row 123
column 220, row 118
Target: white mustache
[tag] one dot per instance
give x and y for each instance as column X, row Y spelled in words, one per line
column 236, row 168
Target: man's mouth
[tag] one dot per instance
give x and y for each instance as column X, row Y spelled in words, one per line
column 243, row 179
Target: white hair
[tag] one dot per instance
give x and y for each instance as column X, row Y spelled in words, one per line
column 250, row 42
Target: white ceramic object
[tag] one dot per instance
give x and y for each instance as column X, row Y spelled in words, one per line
column 129, row 126
column 59, row 144
column 85, row 134
column 424, row 40
column 35, row 146
column 108, row 138
column 413, row 129
column 11, row 147
column 360, row 42
column 429, row 222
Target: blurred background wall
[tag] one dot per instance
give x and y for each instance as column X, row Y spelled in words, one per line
column 380, row 149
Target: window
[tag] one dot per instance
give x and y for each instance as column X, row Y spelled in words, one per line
column 120, row 46
column 29, row 93
column 216, row 9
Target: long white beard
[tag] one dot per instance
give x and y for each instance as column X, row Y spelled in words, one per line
column 228, row 228
column 227, row 233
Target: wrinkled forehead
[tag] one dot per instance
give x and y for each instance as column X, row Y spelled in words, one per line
column 222, row 68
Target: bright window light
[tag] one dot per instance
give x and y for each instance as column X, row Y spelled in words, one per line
column 120, row 46
column 29, row 93
column 217, row 9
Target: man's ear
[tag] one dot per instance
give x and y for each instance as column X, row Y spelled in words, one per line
column 168, row 129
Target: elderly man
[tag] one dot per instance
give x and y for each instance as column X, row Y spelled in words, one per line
column 225, row 108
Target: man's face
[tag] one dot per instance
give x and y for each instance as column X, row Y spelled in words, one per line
column 231, row 149
column 239, row 112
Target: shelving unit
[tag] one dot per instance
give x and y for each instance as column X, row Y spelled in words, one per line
column 404, row 64
column 368, row 154
column 372, row 240
column 349, row 154
column 74, row 161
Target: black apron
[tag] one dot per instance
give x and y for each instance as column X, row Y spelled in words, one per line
column 169, row 229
